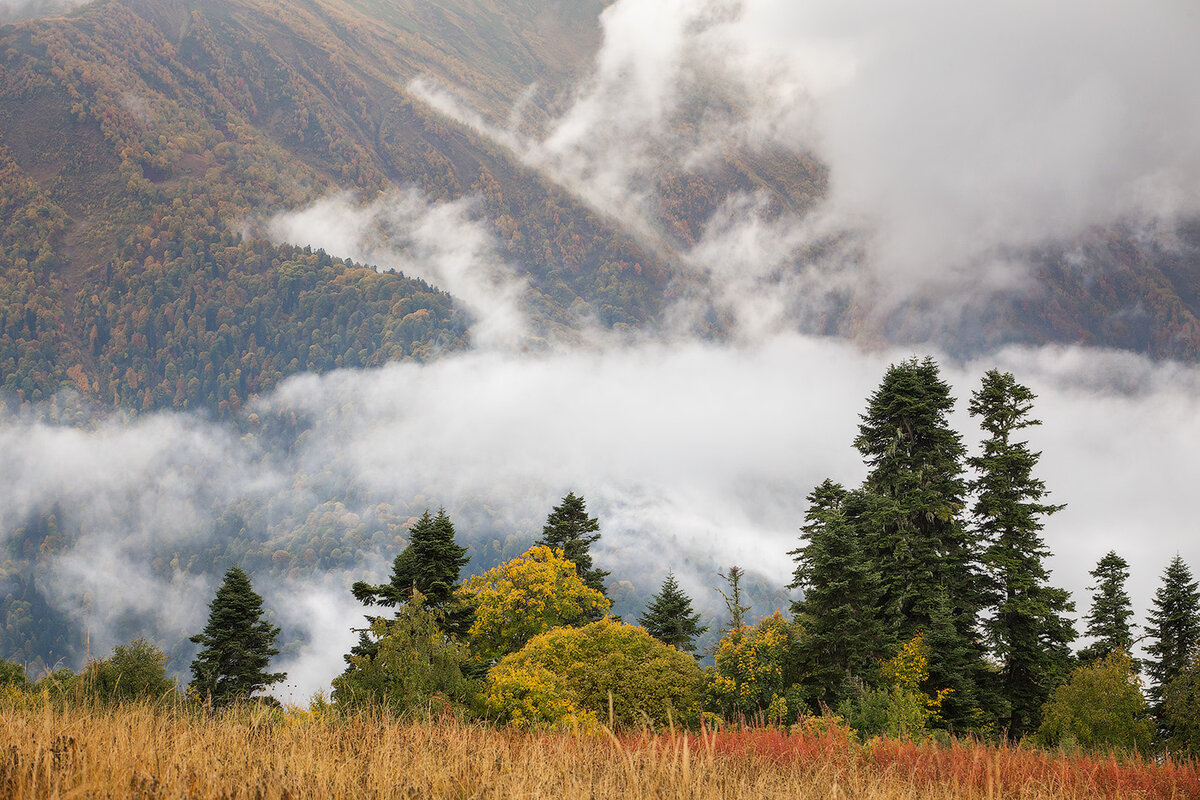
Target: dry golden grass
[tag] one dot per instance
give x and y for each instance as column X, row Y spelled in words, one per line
column 137, row 751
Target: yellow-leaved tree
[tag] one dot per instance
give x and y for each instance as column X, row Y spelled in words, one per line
column 574, row 677
column 902, row 707
column 755, row 670
column 531, row 594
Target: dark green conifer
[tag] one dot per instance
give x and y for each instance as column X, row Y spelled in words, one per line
column 1174, row 630
column 670, row 619
column 844, row 639
column 1029, row 631
column 1108, row 621
column 913, row 501
column 430, row 565
column 570, row 529
column 236, row 645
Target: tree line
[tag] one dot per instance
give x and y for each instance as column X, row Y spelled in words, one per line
column 927, row 609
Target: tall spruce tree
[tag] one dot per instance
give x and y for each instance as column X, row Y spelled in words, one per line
column 670, row 619
column 1108, row 621
column 913, row 530
column 570, row 529
column 1174, row 629
column 430, row 565
column 236, row 645
column 1029, row 631
column 844, row 639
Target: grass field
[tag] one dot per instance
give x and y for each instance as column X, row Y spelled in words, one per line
column 138, row 751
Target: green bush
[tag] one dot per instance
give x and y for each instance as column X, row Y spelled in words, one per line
column 1180, row 719
column 411, row 667
column 134, row 671
column 1100, row 707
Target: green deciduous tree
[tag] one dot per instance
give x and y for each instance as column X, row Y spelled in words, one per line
column 844, row 638
column 1179, row 712
column 235, row 646
column 570, row 529
column 1108, row 621
column 1029, row 631
column 670, row 619
column 1174, row 629
column 1100, row 707
column 534, row 592
column 134, row 671
column 413, row 666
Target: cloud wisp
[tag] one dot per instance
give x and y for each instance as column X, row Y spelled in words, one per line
column 695, row 456
column 444, row 243
column 957, row 138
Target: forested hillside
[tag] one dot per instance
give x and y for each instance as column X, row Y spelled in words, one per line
column 147, row 146
column 140, row 144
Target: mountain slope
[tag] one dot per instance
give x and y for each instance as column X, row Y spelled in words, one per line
column 143, row 144
column 125, row 272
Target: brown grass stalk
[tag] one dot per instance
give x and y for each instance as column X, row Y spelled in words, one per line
column 150, row 752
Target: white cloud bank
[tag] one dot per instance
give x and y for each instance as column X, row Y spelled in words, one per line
column 443, row 243
column 694, row 456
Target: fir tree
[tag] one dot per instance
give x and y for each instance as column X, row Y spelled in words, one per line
column 236, row 645
column 1174, row 629
column 570, row 529
column 913, row 530
column 669, row 617
column 1108, row 621
column 1029, row 631
column 430, row 566
column 844, row 639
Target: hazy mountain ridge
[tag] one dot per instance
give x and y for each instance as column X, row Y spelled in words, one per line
column 165, row 149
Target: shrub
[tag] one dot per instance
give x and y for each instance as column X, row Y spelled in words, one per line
column 1101, row 706
column 1180, row 722
column 902, row 710
column 134, row 671
column 754, row 671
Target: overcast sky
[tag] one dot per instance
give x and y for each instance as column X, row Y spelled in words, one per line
column 952, row 133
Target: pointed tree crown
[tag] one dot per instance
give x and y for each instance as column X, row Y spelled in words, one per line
column 670, row 619
column 570, row 529
column 236, row 644
column 1108, row 621
column 1174, row 629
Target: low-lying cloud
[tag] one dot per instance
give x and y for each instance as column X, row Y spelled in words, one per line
column 447, row 244
column 13, row 10
column 695, row 456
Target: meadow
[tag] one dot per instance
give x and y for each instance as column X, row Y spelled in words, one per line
column 143, row 751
